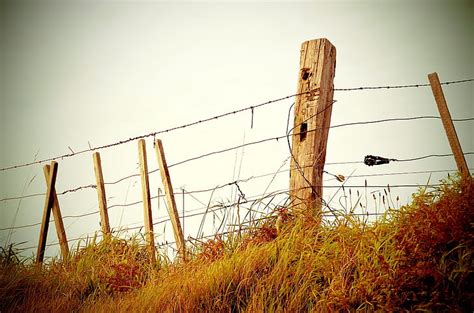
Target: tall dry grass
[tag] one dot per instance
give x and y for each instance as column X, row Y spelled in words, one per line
column 416, row 258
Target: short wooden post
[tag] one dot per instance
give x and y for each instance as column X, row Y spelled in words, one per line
column 172, row 210
column 48, row 203
column 146, row 198
column 448, row 124
column 58, row 219
column 311, row 124
column 104, row 216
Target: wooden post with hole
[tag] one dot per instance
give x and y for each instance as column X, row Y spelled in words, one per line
column 48, row 203
column 104, row 216
column 146, row 199
column 58, row 219
column 448, row 124
column 172, row 210
column 313, row 107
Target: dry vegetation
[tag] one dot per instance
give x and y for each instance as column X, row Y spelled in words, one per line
column 416, row 258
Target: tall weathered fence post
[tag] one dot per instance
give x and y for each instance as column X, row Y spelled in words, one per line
column 448, row 124
column 313, row 107
column 58, row 219
column 172, row 210
column 48, row 203
column 150, row 238
column 104, row 216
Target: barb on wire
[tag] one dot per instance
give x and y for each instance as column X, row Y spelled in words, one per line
column 77, row 189
column 242, row 195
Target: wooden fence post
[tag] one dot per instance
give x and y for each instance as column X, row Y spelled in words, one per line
column 58, row 219
column 448, row 124
column 313, row 109
column 172, row 210
column 48, row 202
column 146, row 198
column 104, row 216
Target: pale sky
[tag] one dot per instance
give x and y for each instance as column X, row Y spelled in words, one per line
column 74, row 73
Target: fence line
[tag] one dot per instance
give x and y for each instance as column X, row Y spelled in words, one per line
column 214, row 208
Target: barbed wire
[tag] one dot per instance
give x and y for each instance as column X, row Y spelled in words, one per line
column 255, row 177
column 234, row 182
column 216, row 117
column 153, row 134
column 402, row 86
column 93, row 186
column 287, row 136
column 220, row 151
column 277, row 138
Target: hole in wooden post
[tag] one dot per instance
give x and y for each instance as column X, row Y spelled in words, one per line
column 303, row 131
column 305, row 75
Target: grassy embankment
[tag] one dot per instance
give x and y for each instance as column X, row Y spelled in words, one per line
column 417, row 258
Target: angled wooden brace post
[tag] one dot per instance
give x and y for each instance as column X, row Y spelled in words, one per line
column 150, row 238
column 48, row 203
column 448, row 125
column 58, row 219
column 313, row 107
column 172, row 210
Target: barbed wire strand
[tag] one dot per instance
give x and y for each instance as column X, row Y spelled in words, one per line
column 252, row 108
column 92, row 186
column 402, row 86
column 210, row 189
column 153, row 134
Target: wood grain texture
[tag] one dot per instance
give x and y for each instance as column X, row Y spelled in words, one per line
column 146, row 198
column 448, row 124
column 48, row 202
column 58, row 219
column 104, row 216
column 311, row 124
column 172, row 210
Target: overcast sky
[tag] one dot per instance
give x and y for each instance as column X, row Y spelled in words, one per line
column 79, row 73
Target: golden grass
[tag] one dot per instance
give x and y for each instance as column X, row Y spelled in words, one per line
column 415, row 258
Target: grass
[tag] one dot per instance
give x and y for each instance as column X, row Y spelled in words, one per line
column 417, row 258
